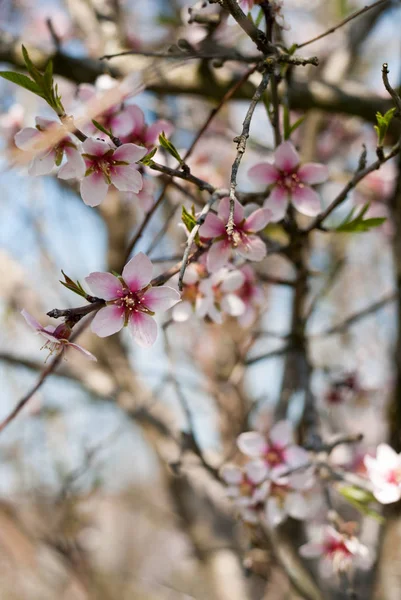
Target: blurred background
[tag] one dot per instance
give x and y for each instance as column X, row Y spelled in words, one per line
column 103, row 492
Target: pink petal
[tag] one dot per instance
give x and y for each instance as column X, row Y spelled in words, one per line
column 252, row 247
column 46, row 123
column 306, row 201
column 75, row 163
column 143, row 328
column 277, row 203
column 104, row 285
column 138, row 118
column 252, row 443
column 122, row 124
column 138, row 272
column 127, row 179
column 282, row 434
column 258, row 220
column 42, row 164
column 32, row 322
column 274, row 513
column 145, row 200
column 93, row 189
column 95, row 147
column 129, row 153
column 161, row 298
column 295, row 456
column 153, row 132
column 86, row 92
column 231, row 474
column 224, row 211
column 264, row 173
column 108, row 320
column 27, row 138
column 218, row 255
column 212, row 227
column 256, row 471
column 286, row 158
column 313, row 173
column 86, row 353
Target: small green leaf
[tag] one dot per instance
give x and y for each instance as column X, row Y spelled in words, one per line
column 73, row 286
column 297, row 123
column 23, row 81
column 101, row 128
column 32, row 70
column 383, row 122
column 360, row 499
column 357, row 224
column 188, row 219
column 48, row 78
column 147, row 159
column 259, row 18
column 169, row 146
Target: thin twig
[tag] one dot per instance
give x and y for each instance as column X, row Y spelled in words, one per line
column 395, row 96
column 267, row 355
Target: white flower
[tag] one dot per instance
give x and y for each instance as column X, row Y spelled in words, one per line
column 384, row 472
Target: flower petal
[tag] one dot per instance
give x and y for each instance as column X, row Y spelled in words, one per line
column 231, row 280
column 121, row 124
column 313, row 173
column 312, row 550
column 297, row 506
column 153, row 132
column 137, row 273
column 295, row 456
column 256, row 471
column 274, row 513
column 212, row 227
column 286, row 158
column 129, row 153
column 231, row 474
column 108, row 320
column 143, row 328
column 138, row 118
column 282, row 434
column 86, row 353
column 95, row 147
column 104, row 285
column 252, row 443
column 258, row 220
column 182, row 311
column 32, row 322
column 277, row 203
column 252, row 247
column 27, row 138
column 127, row 178
column 161, row 298
column 232, row 305
column 42, row 164
column 75, row 161
column 93, row 189
column 264, row 173
column 387, row 457
column 218, row 255
column 224, row 211
column 387, row 494
column 306, row 201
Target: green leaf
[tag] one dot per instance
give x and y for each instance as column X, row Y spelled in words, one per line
column 147, row 159
column 48, row 78
column 32, row 70
column 383, row 122
column 23, row 81
column 101, row 128
column 169, row 146
column 259, row 18
column 297, row 123
column 188, row 219
column 73, row 286
column 360, row 499
column 357, row 224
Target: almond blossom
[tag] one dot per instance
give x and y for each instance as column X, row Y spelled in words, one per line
column 242, row 240
column 106, row 165
column 216, row 295
column 290, row 182
column 278, row 448
column 384, row 472
column 33, row 139
column 251, row 294
column 247, row 487
column 338, row 551
column 141, row 133
column 130, row 301
column 57, row 338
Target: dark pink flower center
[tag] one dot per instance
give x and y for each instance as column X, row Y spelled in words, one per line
column 274, row 455
column 246, row 292
column 102, row 164
column 335, row 547
column 394, row 476
column 132, row 302
column 289, row 181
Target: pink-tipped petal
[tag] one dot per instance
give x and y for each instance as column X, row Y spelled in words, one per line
column 108, row 320
column 95, row 147
column 286, row 158
column 160, row 298
column 251, row 247
column 138, row 272
column 143, row 328
column 306, row 201
column 218, row 255
column 32, row 322
column 231, row 474
column 282, row 434
column 86, row 353
column 313, row 173
column 277, row 203
column 86, row 92
column 258, row 220
column 252, row 444
column 212, row 227
column 127, row 179
column 122, row 124
column 75, row 161
column 264, row 173
column 129, row 153
column 104, row 285
column 93, row 189
column 224, row 211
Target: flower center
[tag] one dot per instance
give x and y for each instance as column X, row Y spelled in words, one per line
column 274, row 455
column 394, row 477
column 290, row 181
column 132, row 302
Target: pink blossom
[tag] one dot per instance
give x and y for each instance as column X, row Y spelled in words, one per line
column 251, row 294
column 338, row 551
column 106, row 165
column 141, row 133
column 130, row 301
column 384, row 472
column 290, row 182
column 247, row 487
column 56, row 337
column 276, row 449
column 243, row 239
column 32, row 139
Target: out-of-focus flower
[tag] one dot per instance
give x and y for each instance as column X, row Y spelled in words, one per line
column 247, row 487
column 130, row 301
column 217, row 295
column 193, row 275
column 144, row 134
column 57, row 338
column 278, row 448
column 242, row 240
column 105, row 166
column 338, row 551
column 290, row 182
column 251, row 294
column 384, row 472
column 11, row 122
column 32, row 139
